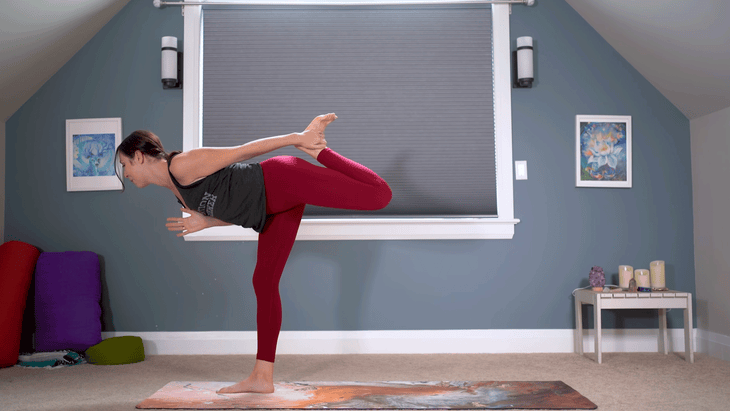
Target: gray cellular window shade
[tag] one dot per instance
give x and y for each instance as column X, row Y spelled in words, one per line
column 411, row 85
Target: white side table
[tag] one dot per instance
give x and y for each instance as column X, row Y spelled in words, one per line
column 660, row 300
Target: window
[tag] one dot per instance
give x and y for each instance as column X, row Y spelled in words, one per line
column 208, row 119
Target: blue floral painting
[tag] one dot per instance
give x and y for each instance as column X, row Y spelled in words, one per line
column 93, row 155
column 603, row 151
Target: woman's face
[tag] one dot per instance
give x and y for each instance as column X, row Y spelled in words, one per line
column 133, row 169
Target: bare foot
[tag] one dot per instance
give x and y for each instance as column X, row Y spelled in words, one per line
column 321, row 122
column 318, row 125
column 249, row 385
column 260, row 381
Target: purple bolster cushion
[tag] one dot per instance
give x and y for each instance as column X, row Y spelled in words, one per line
column 67, row 301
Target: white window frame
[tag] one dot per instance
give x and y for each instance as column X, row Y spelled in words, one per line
column 416, row 228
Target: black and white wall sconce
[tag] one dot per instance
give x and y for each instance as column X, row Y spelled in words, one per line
column 522, row 70
column 171, row 63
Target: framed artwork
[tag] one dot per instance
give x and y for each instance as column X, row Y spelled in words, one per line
column 90, row 148
column 603, row 151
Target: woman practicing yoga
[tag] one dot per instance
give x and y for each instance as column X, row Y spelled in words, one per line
column 215, row 189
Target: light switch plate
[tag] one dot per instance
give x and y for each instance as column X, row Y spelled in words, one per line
column 520, row 170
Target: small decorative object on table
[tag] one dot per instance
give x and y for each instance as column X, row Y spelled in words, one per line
column 632, row 286
column 597, row 278
column 642, row 280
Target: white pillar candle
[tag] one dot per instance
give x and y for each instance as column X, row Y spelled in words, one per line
column 625, row 274
column 642, row 278
column 657, row 274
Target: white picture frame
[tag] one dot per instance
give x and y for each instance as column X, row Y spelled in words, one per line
column 603, row 153
column 90, row 154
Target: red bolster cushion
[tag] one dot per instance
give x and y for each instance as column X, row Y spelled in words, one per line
column 17, row 262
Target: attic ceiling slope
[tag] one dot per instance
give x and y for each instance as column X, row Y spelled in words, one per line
column 37, row 37
column 682, row 47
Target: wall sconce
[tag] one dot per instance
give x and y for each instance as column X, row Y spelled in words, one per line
column 171, row 63
column 522, row 73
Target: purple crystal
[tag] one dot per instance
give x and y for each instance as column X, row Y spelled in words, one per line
column 596, row 277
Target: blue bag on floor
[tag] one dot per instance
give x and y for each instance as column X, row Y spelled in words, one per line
column 53, row 359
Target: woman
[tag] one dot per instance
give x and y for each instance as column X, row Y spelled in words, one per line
column 269, row 197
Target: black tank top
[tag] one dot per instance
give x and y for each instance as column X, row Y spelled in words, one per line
column 234, row 194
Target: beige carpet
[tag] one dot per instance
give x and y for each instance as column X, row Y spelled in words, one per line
column 635, row 381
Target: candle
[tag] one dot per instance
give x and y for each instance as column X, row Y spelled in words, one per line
column 625, row 274
column 657, row 274
column 642, row 278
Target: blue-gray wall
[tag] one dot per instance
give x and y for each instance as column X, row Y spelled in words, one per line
column 154, row 281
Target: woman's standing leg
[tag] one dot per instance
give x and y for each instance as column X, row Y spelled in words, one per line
column 274, row 245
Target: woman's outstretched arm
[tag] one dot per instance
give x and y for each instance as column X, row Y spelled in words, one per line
column 198, row 163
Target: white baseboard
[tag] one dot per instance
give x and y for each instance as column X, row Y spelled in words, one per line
column 714, row 344
column 405, row 342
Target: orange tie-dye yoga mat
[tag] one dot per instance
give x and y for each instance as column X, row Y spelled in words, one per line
column 375, row 396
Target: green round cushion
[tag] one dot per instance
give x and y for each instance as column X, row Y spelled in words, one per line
column 116, row 350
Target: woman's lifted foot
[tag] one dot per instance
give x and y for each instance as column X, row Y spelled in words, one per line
column 321, row 122
column 317, row 126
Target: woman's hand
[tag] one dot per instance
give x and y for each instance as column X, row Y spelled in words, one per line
column 188, row 225
column 311, row 140
column 318, row 143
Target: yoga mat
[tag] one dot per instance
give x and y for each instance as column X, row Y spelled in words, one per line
column 375, row 396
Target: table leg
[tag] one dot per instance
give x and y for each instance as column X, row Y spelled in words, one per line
column 597, row 315
column 578, row 327
column 663, row 341
column 688, row 351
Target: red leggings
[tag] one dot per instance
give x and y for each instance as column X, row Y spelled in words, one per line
column 291, row 183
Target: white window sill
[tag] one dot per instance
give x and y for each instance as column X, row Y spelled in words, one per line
column 378, row 229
